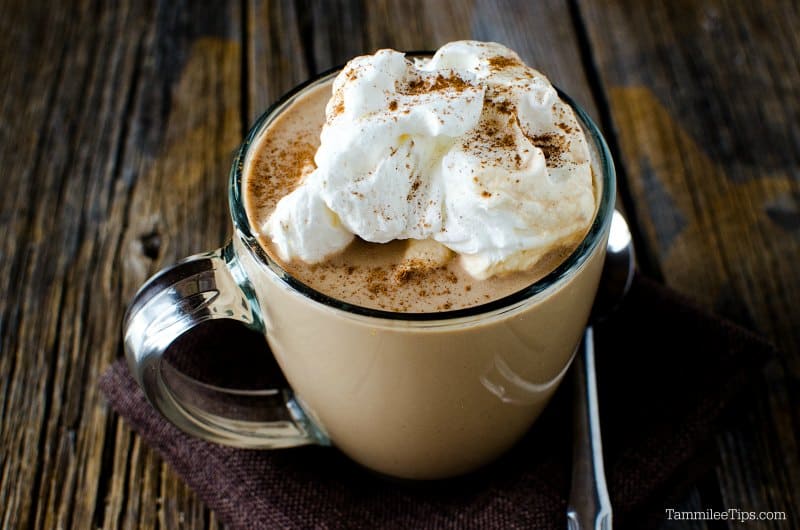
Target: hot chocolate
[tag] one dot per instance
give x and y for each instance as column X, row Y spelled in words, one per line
column 409, row 274
column 422, row 188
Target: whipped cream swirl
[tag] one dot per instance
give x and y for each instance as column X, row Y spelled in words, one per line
column 470, row 148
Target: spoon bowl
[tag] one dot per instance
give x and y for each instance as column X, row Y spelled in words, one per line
column 618, row 268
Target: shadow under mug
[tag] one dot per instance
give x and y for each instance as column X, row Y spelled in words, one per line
column 410, row 395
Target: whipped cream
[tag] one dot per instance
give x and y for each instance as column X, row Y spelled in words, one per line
column 470, row 148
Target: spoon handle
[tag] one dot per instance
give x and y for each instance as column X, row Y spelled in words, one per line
column 589, row 506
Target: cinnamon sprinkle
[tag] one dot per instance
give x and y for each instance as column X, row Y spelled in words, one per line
column 552, row 145
column 564, row 127
column 505, row 107
column 414, row 187
column 438, row 84
column 376, row 281
column 500, row 62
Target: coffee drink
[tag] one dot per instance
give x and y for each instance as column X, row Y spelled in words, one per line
column 420, row 242
column 411, row 275
column 372, row 233
column 374, row 275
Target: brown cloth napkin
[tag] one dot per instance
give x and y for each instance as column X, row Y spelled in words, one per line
column 667, row 372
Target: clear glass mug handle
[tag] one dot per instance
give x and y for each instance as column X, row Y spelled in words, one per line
column 174, row 302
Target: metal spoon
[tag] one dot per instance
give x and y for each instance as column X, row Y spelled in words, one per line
column 589, row 506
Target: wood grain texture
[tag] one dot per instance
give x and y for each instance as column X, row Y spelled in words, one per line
column 118, row 125
column 704, row 101
column 541, row 32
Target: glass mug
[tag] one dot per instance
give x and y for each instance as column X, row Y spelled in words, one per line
column 410, row 395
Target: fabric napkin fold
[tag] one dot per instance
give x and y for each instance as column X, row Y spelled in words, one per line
column 667, row 374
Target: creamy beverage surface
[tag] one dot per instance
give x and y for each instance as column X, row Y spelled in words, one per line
column 423, row 185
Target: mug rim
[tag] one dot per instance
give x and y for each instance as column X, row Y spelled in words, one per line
column 581, row 253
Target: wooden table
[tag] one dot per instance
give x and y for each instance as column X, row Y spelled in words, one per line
column 119, row 120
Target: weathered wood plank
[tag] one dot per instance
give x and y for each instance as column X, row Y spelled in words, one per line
column 541, row 32
column 276, row 59
column 703, row 98
column 184, row 131
column 41, row 245
column 118, row 125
